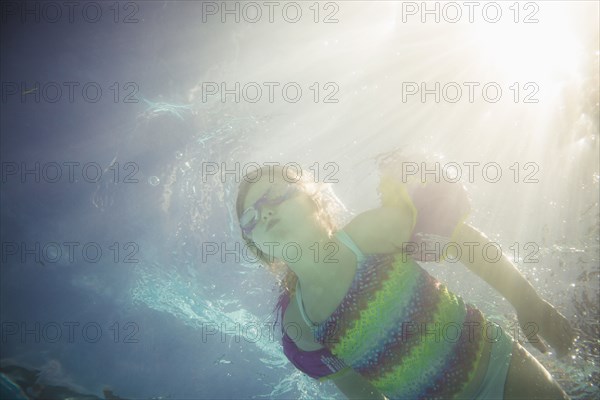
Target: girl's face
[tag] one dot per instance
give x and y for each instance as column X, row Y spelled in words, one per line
column 279, row 212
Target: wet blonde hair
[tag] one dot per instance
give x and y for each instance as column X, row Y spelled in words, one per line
column 324, row 206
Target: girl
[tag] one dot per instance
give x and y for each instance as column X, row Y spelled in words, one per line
column 357, row 308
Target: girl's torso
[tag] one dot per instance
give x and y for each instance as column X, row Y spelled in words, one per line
column 318, row 308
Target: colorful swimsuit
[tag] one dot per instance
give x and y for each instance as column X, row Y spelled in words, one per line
column 398, row 327
column 402, row 330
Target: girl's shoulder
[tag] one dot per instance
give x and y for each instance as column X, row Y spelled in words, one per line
column 380, row 230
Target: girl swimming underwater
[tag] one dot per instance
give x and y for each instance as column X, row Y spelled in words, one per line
column 359, row 310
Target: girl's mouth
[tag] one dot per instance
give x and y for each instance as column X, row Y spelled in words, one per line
column 271, row 223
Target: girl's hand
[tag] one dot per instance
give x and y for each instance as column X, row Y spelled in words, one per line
column 538, row 317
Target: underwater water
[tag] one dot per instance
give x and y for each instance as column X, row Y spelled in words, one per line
column 126, row 127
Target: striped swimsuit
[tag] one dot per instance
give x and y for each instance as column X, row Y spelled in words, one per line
column 400, row 329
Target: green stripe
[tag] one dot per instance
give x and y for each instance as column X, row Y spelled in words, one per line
column 377, row 319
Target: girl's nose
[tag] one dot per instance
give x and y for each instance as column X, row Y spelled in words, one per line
column 267, row 214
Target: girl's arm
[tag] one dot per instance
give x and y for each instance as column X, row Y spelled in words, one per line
column 502, row 275
column 536, row 316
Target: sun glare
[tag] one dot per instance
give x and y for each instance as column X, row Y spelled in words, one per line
column 546, row 51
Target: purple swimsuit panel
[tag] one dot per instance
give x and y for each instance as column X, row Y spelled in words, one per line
column 316, row 364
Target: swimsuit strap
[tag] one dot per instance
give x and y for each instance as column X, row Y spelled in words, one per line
column 301, row 307
column 347, row 240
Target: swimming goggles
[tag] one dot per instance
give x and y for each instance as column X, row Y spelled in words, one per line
column 274, row 196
